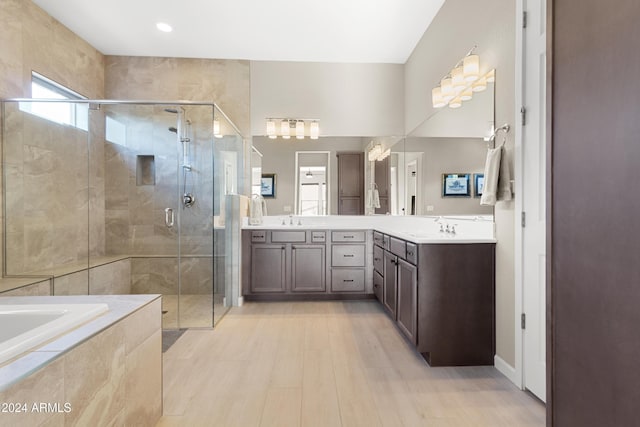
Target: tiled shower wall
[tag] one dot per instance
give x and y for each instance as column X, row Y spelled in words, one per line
column 33, row 40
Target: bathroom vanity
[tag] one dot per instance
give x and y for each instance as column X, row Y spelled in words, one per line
column 437, row 287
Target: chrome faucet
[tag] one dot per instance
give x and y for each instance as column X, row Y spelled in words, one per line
column 290, row 219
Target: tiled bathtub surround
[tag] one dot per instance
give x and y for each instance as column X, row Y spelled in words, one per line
column 109, row 370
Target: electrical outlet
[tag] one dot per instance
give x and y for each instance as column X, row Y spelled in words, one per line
column 430, row 208
column 287, row 208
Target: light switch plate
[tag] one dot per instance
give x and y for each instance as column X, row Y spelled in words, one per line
column 430, row 208
column 287, row 208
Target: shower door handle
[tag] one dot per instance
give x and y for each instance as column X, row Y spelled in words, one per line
column 168, row 217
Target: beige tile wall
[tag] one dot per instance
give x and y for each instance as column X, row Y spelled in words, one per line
column 32, row 40
column 115, row 378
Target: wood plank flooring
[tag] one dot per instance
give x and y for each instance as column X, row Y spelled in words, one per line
column 327, row 364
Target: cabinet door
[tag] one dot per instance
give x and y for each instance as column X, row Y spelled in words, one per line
column 378, row 285
column 378, row 259
column 407, row 299
column 268, row 268
column 308, row 268
column 390, row 277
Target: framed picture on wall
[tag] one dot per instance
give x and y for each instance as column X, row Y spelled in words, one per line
column 456, row 185
column 478, row 184
column 268, row 185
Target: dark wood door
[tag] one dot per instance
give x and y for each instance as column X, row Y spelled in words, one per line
column 407, row 299
column 593, row 236
column 268, row 268
column 308, row 268
column 350, row 183
column 390, row 283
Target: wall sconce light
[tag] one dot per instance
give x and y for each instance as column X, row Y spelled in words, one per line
column 293, row 127
column 216, row 128
column 461, row 82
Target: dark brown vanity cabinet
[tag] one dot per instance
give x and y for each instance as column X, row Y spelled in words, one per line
column 298, row 264
column 441, row 297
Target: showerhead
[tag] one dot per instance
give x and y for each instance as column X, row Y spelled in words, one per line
column 171, row 110
column 172, row 129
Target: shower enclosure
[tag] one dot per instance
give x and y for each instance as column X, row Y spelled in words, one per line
column 118, row 197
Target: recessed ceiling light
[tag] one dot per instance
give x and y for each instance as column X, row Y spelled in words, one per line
column 165, row 28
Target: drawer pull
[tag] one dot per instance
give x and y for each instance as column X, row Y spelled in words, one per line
column 347, row 280
column 348, row 255
column 376, row 259
column 348, row 237
column 409, row 253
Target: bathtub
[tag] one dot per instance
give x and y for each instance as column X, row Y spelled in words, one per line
column 25, row 327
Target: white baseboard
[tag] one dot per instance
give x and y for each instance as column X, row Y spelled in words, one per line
column 507, row 370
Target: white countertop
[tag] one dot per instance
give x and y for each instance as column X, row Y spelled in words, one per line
column 420, row 230
column 120, row 306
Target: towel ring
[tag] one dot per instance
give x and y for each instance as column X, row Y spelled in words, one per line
column 492, row 138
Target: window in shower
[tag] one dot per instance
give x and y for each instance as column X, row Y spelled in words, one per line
column 65, row 113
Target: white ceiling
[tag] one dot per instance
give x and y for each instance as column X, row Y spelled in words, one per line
column 377, row 31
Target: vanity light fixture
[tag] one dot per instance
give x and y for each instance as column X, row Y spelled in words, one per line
column 461, row 82
column 292, row 127
column 376, row 153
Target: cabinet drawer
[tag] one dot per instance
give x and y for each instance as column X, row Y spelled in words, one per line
column 318, row 236
column 378, row 238
column 385, row 241
column 258, row 236
column 347, row 280
column 398, row 247
column 412, row 253
column 347, row 255
column 347, row 236
column 288, row 236
column 378, row 259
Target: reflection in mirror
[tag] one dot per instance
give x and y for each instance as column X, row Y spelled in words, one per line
column 311, row 182
column 256, row 170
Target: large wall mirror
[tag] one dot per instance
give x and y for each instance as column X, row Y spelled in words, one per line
column 409, row 177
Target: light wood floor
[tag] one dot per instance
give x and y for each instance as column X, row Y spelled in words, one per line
column 327, row 364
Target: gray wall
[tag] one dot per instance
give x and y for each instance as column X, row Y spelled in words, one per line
column 490, row 24
column 349, row 99
column 280, row 157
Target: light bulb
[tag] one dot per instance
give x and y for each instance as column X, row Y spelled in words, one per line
column 314, row 130
column 271, row 129
column 284, row 129
column 471, row 68
column 436, row 98
column 457, row 79
column 300, row 129
column 446, row 86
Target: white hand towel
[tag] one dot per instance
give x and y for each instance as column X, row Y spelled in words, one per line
column 504, row 178
column 376, row 198
column 491, row 174
column 256, row 209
